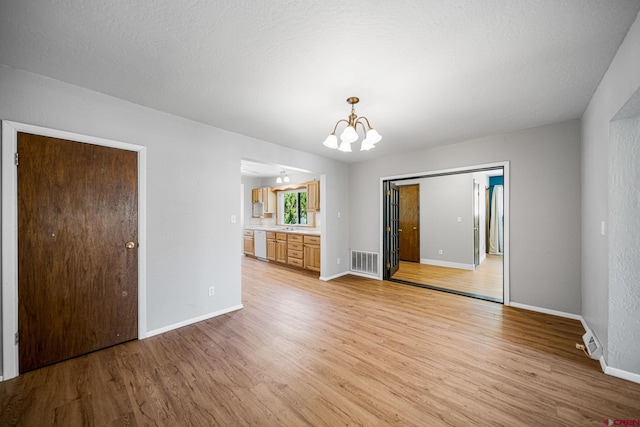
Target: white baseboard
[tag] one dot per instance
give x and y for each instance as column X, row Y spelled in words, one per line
column 335, row 276
column 584, row 324
column 614, row 372
column 619, row 373
column 192, row 321
column 603, row 363
column 548, row 311
column 449, row 264
column 365, row 275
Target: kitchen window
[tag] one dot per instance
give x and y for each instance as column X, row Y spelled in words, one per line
column 292, row 207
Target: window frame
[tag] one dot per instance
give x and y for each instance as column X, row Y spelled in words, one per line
column 281, row 213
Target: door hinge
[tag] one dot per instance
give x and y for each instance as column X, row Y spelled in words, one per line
column 16, row 159
column 17, row 337
column 388, row 265
column 388, row 192
column 388, row 229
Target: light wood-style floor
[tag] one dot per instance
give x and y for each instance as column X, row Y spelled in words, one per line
column 351, row 351
column 485, row 280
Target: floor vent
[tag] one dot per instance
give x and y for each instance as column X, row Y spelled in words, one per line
column 364, row 262
column 593, row 346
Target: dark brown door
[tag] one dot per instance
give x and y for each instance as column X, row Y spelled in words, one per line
column 391, row 226
column 409, row 231
column 77, row 279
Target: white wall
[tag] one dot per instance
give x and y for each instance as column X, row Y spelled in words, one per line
column 616, row 88
column 193, row 186
column 545, row 205
column 442, row 200
column 624, row 244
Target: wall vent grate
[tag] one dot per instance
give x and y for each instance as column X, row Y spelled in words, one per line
column 364, row 262
column 593, row 346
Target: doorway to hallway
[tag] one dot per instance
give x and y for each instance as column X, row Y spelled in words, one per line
column 453, row 219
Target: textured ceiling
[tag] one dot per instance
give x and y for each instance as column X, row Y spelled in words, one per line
column 427, row 72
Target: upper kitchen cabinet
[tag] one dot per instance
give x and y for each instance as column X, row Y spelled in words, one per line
column 269, row 200
column 256, row 195
column 313, row 196
column 267, row 197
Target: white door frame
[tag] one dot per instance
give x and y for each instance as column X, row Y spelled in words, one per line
column 506, row 258
column 10, row 354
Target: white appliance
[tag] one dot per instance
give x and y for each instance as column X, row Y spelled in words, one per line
column 260, row 243
column 257, row 210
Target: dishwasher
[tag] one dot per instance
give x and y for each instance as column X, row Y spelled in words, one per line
column 260, row 244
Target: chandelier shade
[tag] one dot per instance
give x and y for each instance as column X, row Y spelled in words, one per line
column 282, row 178
column 345, row 147
column 350, row 133
column 331, row 141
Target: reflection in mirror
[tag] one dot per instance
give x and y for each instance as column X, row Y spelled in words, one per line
column 450, row 233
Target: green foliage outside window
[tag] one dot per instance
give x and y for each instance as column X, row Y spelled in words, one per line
column 295, row 208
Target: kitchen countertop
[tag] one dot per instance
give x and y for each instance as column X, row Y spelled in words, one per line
column 282, row 229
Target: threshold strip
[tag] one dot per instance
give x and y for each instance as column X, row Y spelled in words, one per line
column 451, row 291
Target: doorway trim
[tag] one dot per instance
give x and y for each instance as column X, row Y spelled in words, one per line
column 10, row 129
column 507, row 235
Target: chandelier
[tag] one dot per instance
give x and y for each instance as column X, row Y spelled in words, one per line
column 282, row 178
column 350, row 134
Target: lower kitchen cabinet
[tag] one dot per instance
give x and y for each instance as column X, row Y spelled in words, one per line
column 312, row 253
column 271, row 246
column 281, row 247
column 248, row 242
column 294, row 249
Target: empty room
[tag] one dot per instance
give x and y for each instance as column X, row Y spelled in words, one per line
column 320, row 213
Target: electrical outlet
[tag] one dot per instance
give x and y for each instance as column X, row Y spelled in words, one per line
column 212, row 291
column 338, row 261
column 439, row 251
column 579, row 346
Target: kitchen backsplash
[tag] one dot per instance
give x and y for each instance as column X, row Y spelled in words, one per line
column 269, row 222
column 261, row 221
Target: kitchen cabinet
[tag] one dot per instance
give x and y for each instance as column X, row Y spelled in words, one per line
column 281, row 247
column 267, row 197
column 269, row 200
column 295, row 250
column 313, row 196
column 256, row 195
column 271, row 245
column 248, row 242
column 312, row 253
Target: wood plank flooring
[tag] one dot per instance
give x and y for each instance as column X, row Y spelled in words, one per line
column 485, row 280
column 350, row 351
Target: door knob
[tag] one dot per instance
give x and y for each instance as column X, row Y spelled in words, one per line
column 399, row 229
column 415, row 228
column 130, row 245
